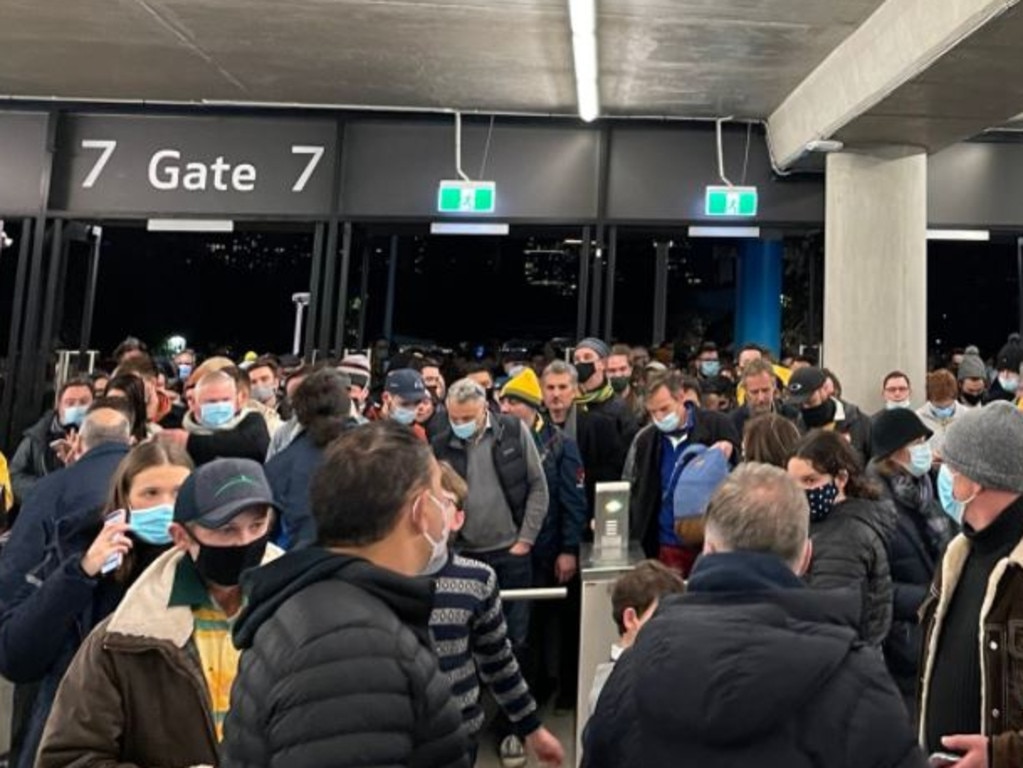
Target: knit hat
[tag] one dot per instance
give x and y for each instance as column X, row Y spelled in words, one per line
column 972, row 367
column 985, row 444
column 1010, row 357
column 524, row 387
column 598, row 346
column 893, row 429
column 357, row 369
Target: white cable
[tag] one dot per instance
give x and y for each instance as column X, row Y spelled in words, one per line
column 458, row 147
column 721, row 152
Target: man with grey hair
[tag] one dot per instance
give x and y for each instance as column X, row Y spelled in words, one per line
column 508, row 495
column 218, row 426
column 770, row 672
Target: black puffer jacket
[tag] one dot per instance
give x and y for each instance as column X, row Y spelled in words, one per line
column 750, row 668
column 337, row 670
column 850, row 547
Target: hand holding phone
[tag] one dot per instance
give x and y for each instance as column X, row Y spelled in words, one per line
column 109, row 548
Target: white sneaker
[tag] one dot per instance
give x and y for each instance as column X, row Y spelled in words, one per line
column 512, row 752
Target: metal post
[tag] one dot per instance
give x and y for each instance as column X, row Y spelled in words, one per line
column 812, row 302
column 1019, row 278
column 13, row 349
column 57, row 253
column 363, row 294
column 314, row 291
column 598, row 285
column 342, row 291
column 89, row 307
column 584, row 285
column 392, row 280
column 301, row 301
column 609, row 283
column 327, row 301
column 660, row 292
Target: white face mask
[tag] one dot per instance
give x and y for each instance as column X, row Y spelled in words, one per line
column 439, row 555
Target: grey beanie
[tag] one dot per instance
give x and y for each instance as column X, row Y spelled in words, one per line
column 985, row 444
column 596, row 345
column 972, row 367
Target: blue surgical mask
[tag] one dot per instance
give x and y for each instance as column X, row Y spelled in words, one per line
column 920, row 459
column 184, row 370
column 710, row 368
column 821, row 501
column 152, row 524
column 892, row 405
column 943, row 413
column 439, row 547
column 216, row 414
column 464, row 431
column 952, row 506
column 74, row 415
column 669, row 423
column 1009, row 383
column 403, row 415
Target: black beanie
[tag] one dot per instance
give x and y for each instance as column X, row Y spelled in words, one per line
column 894, row 429
column 1010, row 357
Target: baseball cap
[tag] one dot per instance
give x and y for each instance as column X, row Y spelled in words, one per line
column 803, row 383
column 217, row 492
column 407, row 385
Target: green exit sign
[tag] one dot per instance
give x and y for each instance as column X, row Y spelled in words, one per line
column 466, row 196
column 731, row 201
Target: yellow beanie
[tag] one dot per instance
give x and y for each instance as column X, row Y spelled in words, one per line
column 524, row 386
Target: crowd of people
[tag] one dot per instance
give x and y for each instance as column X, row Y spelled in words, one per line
column 272, row 562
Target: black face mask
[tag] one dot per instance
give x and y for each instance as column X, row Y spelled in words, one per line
column 972, row 399
column 224, row 566
column 586, row 371
column 819, row 415
column 620, row 383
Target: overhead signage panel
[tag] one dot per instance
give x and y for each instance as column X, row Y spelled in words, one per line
column 136, row 164
column 22, row 160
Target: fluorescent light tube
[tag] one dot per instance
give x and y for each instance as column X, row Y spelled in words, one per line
column 583, row 17
column 753, row 232
column 190, row 225
column 467, row 228
column 978, row 235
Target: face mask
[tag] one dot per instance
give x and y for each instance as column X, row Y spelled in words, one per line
column 464, row 431
column 952, row 506
column 585, row 371
column 216, row 414
column 263, row 393
column 1009, row 383
column 224, row 565
column 970, row 399
column 821, row 500
column 920, row 459
column 943, row 413
column 439, row 555
column 74, row 415
column 819, row 415
column 403, row 415
column 152, row 524
column 669, row 423
column 619, row 383
column 184, row 370
column 710, row 368
column 892, row 405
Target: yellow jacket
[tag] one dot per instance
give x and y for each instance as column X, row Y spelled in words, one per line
column 7, row 499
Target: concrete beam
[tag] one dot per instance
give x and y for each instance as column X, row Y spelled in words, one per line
column 902, row 39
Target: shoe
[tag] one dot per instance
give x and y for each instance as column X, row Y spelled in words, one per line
column 512, row 752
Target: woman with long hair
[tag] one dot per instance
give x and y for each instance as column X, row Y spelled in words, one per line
column 84, row 559
column 850, row 527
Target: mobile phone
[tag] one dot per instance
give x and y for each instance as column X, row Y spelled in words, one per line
column 113, row 562
column 940, row 759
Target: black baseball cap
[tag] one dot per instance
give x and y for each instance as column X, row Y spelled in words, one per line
column 217, row 492
column 406, row 384
column 804, row 382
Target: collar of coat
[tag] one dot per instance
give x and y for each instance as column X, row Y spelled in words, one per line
column 145, row 612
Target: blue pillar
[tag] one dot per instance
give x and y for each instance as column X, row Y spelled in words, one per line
column 758, row 294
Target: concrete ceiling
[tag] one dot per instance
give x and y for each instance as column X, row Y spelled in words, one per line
column 682, row 58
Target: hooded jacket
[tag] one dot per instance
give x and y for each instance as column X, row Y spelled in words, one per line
column 749, row 668
column 244, row 437
column 850, row 548
column 338, row 670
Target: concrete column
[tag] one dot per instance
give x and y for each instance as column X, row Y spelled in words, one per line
column 875, row 270
column 758, row 294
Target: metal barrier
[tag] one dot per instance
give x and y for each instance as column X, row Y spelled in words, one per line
column 63, row 367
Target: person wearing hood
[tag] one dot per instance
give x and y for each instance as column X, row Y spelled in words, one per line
column 901, row 467
column 1007, row 364
column 850, row 525
column 749, row 667
column 217, row 426
column 972, row 377
column 808, row 390
column 151, row 685
column 338, row 667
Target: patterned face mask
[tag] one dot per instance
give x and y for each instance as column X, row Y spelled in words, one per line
column 821, row 500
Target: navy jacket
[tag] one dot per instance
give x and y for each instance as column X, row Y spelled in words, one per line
column 567, row 511
column 289, row 474
column 47, row 603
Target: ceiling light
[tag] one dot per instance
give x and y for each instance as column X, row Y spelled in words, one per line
column 190, row 225
column 467, row 228
column 753, row 232
column 977, row 235
column 583, row 16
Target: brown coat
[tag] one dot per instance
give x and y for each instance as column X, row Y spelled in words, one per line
column 135, row 694
column 1000, row 633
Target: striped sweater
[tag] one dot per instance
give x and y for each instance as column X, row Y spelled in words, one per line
column 471, row 639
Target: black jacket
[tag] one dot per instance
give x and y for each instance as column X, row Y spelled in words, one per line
column 750, row 669
column 249, row 440
column 643, row 471
column 850, row 548
column 742, row 414
column 34, row 458
column 604, row 432
column 921, row 534
column 338, row 670
column 851, row 421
